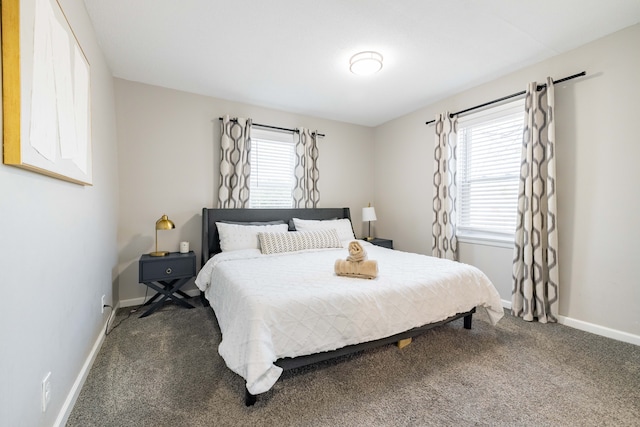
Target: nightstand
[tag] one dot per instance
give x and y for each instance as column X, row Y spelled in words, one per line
column 385, row 243
column 166, row 275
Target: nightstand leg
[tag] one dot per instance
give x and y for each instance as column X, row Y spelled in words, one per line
column 182, row 294
column 168, row 290
column 152, row 299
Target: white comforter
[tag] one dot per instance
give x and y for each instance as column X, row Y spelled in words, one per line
column 292, row 304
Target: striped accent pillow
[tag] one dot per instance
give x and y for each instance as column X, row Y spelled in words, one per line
column 292, row 241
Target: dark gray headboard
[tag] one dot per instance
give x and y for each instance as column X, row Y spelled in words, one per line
column 211, row 241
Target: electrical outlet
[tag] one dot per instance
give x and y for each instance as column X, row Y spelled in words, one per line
column 102, row 304
column 46, row 391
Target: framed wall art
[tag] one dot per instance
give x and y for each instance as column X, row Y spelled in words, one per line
column 46, row 92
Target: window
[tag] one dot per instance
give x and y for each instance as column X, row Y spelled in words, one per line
column 272, row 169
column 488, row 173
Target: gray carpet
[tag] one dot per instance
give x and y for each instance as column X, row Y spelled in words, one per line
column 164, row 370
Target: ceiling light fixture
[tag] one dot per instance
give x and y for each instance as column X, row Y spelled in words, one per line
column 365, row 63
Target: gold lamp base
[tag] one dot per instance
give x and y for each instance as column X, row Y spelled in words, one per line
column 161, row 253
column 368, row 239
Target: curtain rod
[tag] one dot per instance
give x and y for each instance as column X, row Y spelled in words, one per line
column 276, row 127
column 504, row 98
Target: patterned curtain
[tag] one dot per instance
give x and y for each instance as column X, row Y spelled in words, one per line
column 306, row 174
column 535, row 264
column 445, row 243
column 235, row 163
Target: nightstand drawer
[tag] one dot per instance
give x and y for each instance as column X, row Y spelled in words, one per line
column 172, row 266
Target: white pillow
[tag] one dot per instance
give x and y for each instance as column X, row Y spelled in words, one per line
column 293, row 241
column 342, row 226
column 234, row 237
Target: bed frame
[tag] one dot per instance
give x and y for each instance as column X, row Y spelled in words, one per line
column 211, row 246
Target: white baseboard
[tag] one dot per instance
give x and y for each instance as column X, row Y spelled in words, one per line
column 599, row 330
column 67, row 407
column 141, row 300
column 592, row 328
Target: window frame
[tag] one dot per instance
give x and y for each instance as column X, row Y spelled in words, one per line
column 480, row 235
column 269, row 137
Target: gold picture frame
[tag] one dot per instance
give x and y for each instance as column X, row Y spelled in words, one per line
column 46, row 81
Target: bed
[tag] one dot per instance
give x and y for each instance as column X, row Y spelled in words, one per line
column 287, row 309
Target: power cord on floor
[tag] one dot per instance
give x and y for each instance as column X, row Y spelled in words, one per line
column 133, row 310
column 107, row 331
column 106, row 328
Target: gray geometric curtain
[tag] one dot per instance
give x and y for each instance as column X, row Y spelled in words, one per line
column 306, row 174
column 445, row 243
column 535, row 264
column 235, row 163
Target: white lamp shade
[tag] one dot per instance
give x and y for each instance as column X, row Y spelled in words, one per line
column 369, row 214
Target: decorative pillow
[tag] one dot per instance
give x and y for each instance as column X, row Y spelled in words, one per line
column 234, row 237
column 292, row 226
column 342, row 226
column 292, row 241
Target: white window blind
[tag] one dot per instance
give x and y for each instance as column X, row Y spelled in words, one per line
column 272, row 165
column 488, row 171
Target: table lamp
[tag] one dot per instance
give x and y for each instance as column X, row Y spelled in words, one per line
column 164, row 223
column 369, row 214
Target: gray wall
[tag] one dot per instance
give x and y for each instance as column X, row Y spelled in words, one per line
column 598, row 200
column 57, row 255
column 168, row 145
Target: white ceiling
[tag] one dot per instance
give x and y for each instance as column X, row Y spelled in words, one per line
column 293, row 55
